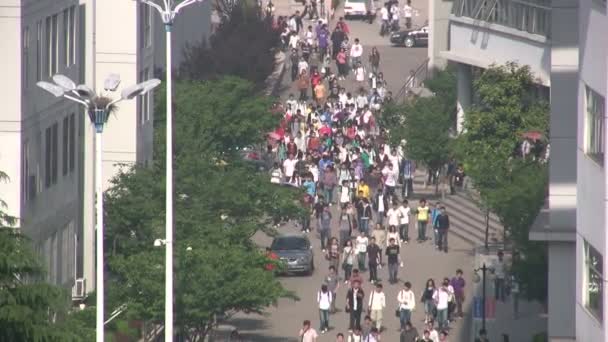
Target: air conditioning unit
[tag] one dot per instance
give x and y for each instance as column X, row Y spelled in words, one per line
column 79, row 289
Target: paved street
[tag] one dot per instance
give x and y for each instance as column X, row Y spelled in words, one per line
column 422, row 261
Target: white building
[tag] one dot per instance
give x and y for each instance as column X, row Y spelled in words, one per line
column 550, row 37
column 591, row 204
column 46, row 144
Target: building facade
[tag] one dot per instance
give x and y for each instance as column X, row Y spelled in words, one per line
column 47, row 144
column 545, row 35
column 591, row 244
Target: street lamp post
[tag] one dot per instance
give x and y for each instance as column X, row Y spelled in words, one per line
column 484, row 269
column 168, row 11
column 98, row 109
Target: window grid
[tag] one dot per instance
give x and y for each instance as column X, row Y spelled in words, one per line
column 72, row 142
column 39, row 48
column 64, row 151
column 594, row 139
column 26, row 56
column 593, row 282
column 52, row 40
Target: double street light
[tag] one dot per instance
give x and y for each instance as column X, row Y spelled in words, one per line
column 168, row 10
column 98, row 108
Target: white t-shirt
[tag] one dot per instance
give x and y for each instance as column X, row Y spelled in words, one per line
column 405, row 215
column 293, row 41
column 361, row 100
column 324, row 299
column 390, row 177
column 407, row 11
column 362, row 242
column 384, row 13
column 367, row 116
column 344, row 194
column 356, row 50
column 381, row 207
column 360, row 74
column 393, row 216
column 309, row 335
column 441, row 297
column 309, row 36
column 289, row 165
column 302, row 65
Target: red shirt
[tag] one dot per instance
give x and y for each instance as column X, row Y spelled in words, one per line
column 271, row 256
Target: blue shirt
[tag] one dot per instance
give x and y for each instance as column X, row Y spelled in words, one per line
column 310, row 187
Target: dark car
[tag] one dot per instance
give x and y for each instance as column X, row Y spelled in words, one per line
column 411, row 37
column 295, row 251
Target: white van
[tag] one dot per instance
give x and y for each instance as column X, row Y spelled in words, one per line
column 355, row 8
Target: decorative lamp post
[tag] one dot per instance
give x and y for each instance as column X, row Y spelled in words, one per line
column 98, row 108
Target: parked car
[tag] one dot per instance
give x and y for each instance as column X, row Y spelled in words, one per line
column 411, row 37
column 356, row 8
column 295, row 251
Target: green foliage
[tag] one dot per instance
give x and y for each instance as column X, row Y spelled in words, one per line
column 30, row 310
column 243, row 46
column 512, row 188
column 215, row 117
column 424, row 123
column 220, row 202
column 427, row 126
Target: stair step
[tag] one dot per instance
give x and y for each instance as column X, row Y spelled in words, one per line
column 463, row 205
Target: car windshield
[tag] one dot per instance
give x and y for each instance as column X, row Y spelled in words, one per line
column 289, row 243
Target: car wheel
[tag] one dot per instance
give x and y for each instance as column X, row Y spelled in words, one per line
column 409, row 42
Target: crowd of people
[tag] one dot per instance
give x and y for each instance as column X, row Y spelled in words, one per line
column 330, row 144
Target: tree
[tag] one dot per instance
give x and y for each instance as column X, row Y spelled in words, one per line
column 509, row 186
column 423, row 125
column 221, row 201
column 427, row 126
column 244, row 46
column 30, row 310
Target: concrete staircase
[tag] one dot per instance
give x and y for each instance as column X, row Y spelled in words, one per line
column 467, row 220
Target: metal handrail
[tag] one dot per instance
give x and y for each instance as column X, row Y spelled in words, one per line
column 419, row 76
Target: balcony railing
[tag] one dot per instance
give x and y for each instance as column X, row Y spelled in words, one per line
column 532, row 16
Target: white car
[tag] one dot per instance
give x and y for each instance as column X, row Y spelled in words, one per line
column 355, row 8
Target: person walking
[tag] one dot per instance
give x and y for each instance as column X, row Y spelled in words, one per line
column 394, row 259
column 441, row 298
column 341, row 64
column 374, row 60
column 435, row 212
column 347, row 260
column 333, row 253
column 325, row 228
column 427, row 299
column 458, row 283
column 380, row 205
column 374, row 257
column 443, row 225
column 409, row 333
column 366, row 216
column 499, row 277
column 376, row 305
column 344, row 225
column 308, row 333
column 407, row 303
column 303, row 85
column 324, row 299
column 361, row 244
column 408, row 13
column 330, row 180
column 356, row 51
column 379, row 234
column 332, row 282
column 404, row 221
column 423, row 217
column 354, row 305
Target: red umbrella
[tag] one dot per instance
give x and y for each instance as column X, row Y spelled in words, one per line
column 274, row 135
column 533, row 135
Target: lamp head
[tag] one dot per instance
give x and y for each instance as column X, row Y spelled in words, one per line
column 111, row 82
column 64, row 82
column 85, row 92
column 54, row 89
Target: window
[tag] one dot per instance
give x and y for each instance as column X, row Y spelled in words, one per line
column 26, row 56
column 144, row 100
column 25, row 171
column 594, row 125
column 533, row 16
column 146, row 25
column 39, row 51
column 64, row 151
column 51, row 45
column 51, row 149
column 69, row 35
column 593, row 282
column 72, row 142
column 72, row 35
column 47, row 157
